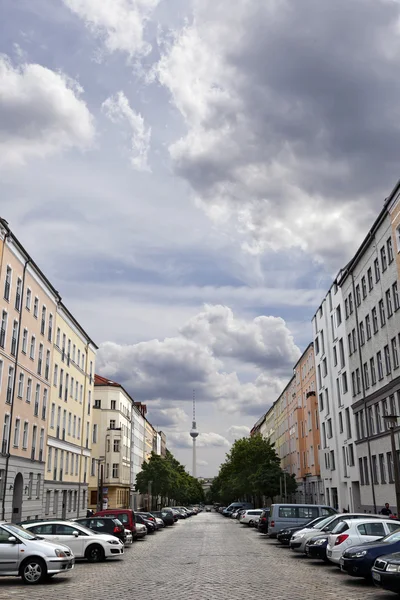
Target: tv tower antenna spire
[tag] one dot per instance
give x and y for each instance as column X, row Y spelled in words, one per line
column 194, row 434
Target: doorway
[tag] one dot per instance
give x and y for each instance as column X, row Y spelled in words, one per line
column 17, row 498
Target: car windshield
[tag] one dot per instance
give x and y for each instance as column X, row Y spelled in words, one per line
column 392, row 537
column 324, row 522
column 21, row 532
column 84, row 529
column 314, row 522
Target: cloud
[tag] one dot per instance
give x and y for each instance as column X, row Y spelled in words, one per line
column 236, row 432
column 167, row 417
column 291, row 136
column 118, row 110
column 167, row 371
column 201, row 463
column 120, row 24
column 265, row 341
column 41, row 113
column 182, row 439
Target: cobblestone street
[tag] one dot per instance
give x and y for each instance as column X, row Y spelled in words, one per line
column 206, row 557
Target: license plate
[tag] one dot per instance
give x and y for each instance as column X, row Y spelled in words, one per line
column 376, row 576
column 329, row 553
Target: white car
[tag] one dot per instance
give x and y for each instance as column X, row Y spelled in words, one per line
column 353, row 532
column 83, row 542
column 250, row 516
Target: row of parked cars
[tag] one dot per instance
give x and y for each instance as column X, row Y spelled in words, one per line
column 36, row 550
column 360, row 544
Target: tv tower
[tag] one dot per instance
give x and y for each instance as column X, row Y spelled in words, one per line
column 194, row 433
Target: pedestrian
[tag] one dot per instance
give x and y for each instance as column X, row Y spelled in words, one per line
column 386, row 510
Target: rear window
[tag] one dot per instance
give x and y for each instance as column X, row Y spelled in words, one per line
column 308, row 512
column 326, row 510
column 288, row 512
column 340, row 527
column 123, row 518
column 371, row 529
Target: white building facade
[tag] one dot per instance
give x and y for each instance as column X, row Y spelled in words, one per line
column 137, row 453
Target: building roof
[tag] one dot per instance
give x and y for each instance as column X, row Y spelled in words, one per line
column 99, row 380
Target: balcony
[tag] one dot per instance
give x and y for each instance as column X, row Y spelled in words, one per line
column 13, row 346
column 9, row 395
column 7, row 291
column 2, row 337
column 17, row 301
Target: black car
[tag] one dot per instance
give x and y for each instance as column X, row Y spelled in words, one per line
column 359, row 560
column 284, row 535
column 109, row 525
column 386, row 572
column 151, row 527
column 263, row 521
column 316, row 547
column 166, row 516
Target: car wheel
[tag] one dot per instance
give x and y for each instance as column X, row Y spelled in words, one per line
column 33, row 571
column 251, row 523
column 94, row 553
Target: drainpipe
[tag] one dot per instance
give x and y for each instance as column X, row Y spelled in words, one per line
column 13, row 392
column 363, row 395
column 83, row 429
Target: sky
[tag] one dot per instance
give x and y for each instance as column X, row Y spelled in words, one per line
column 191, row 175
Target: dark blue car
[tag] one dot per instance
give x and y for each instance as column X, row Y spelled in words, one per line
column 358, row 560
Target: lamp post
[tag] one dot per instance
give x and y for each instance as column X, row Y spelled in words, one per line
column 392, row 423
column 100, row 482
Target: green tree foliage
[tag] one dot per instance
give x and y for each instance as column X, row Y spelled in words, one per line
column 168, row 482
column 250, row 472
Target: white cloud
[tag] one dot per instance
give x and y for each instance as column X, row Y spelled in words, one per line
column 118, row 110
column 41, row 113
column 201, row 463
column 166, row 417
column 283, row 138
column 120, row 24
column 236, row 432
column 168, row 370
column 182, row 439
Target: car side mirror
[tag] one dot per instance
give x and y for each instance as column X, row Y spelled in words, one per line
column 12, row 540
column 76, row 533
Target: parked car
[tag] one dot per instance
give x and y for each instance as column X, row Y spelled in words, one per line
column 23, row 555
column 263, row 522
column 291, row 515
column 166, row 516
column 350, row 532
column 150, row 525
column 125, row 515
column 250, row 517
column 83, row 542
column 104, row 525
column 208, row 508
column 359, row 560
column 159, row 523
column 285, row 535
column 141, row 531
column 235, row 505
column 386, row 572
column 299, row 538
column 172, row 511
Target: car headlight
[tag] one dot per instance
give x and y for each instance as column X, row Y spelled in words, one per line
column 117, row 542
column 60, row 553
column 358, row 554
column 320, row 542
column 393, row 568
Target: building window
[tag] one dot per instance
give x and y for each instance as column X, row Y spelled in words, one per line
column 117, row 444
column 16, row 432
column 378, row 418
column 37, row 400
column 375, row 469
column 387, row 360
column 373, row 373
column 358, row 295
column 361, row 471
column 21, row 385
column 366, row 375
column 390, row 467
column 389, row 307
column 24, row 341
column 36, row 307
column 395, row 354
column 345, row 386
column 32, row 349
column 368, row 327
column 395, row 296
column 379, row 364
column 29, row 390
column 38, row 483
column 93, row 468
column 94, row 438
column 366, row 471
column 346, row 308
column 375, row 320
column 350, row 343
column 370, row 281
column 113, row 404
column 58, row 337
column 112, row 424
column 28, row 299
column 376, row 269
column 350, row 455
column 3, row 330
column 332, row 460
column 382, row 312
column 382, row 468
column 362, row 334
column 340, row 423
column 353, row 383
column 383, row 258
column 115, row 470
column 389, row 246
column 97, row 404
column 338, row 315
column 50, row 329
column 364, row 287
column 43, row 321
column 7, row 284
column 10, row 385
column 44, row 405
column 52, row 415
column 40, row 360
column 348, row 424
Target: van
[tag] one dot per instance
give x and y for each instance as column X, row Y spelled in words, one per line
column 293, row 515
column 227, row 512
column 125, row 515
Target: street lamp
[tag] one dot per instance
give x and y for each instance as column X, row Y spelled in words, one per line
column 392, row 423
column 100, row 482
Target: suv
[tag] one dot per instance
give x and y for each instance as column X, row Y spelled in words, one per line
column 104, row 525
column 83, row 542
column 24, row 555
column 125, row 515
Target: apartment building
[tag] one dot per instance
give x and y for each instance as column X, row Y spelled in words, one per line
column 111, row 444
column 138, row 450
column 69, row 423
column 28, row 306
column 339, row 469
column 370, row 288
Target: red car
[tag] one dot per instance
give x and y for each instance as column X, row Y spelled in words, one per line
column 125, row 515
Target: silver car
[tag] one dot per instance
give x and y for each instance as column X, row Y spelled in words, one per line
column 24, row 555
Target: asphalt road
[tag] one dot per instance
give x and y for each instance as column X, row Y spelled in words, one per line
column 206, row 557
